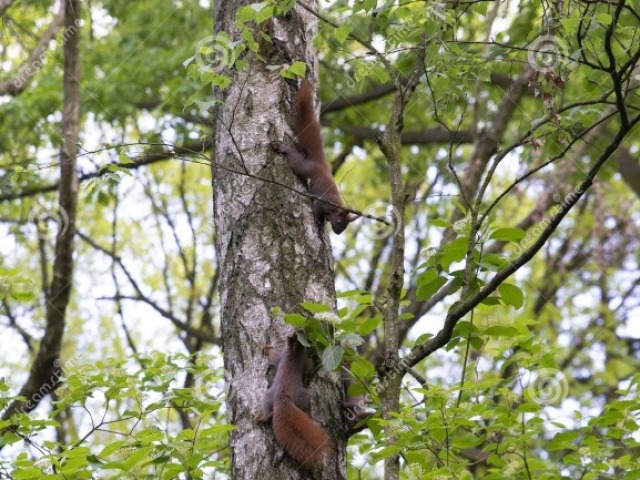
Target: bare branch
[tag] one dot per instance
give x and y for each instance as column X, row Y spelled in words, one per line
column 428, row 136
column 140, row 296
column 26, row 72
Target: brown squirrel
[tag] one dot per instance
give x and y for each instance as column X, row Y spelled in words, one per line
column 307, row 160
column 287, row 404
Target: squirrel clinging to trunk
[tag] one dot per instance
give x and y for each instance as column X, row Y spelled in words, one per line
column 286, row 403
column 307, row 160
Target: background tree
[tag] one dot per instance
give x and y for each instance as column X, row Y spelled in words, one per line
column 496, row 313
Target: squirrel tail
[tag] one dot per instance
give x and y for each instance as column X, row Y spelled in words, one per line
column 307, row 127
column 299, row 435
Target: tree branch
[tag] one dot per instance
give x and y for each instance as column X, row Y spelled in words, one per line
column 428, row 136
column 140, row 296
column 139, row 161
column 425, row 349
column 26, row 72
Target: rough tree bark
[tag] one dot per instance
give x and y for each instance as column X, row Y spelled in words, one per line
column 270, row 251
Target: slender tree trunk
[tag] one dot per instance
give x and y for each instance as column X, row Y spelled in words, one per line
column 46, row 369
column 391, row 146
column 270, row 251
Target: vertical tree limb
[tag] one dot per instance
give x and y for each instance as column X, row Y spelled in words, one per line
column 46, row 369
column 391, row 145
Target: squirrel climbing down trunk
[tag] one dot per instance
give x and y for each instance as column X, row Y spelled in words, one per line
column 286, row 403
column 307, row 160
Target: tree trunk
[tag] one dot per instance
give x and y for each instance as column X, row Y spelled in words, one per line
column 46, row 369
column 270, row 250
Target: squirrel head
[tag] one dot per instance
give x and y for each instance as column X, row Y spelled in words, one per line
column 339, row 220
column 294, row 344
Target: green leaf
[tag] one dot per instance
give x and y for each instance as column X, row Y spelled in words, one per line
column 186, row 434
column 245, row 14
column 149, row 435
column 113, row 448
column 264, row 13
column 125, row 159
column 365, row 299
column 351, row 340
column 500, row 331
column 428, row 276
column 284, row 6
column 464, row 329
column 27, row 473
column 454, row 251
column 495, row 261
column 22, row 296
column 76, row 452
column 570, row 24
column 491, row 301
column 332, row 357
column 528, row 407
column 362, row 368
column 303, row 339
column 295, row 319
column 315, row 307
column 466, row 440
column 438, row 222
column 299, row 69
column 511, row 295
column 369, row 325
column 247, row 36
column 423, row 338
column 350, row 293
column 563, row 441
column 368, row 5
column 342, row 32
column 426, row 291
column 508, row 234
column 358, row 310
column 476, row 342
column 138, row 455
column 453, row 343
column 479, row 7
column 216, row 430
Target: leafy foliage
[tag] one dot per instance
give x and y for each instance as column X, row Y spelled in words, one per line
column 539, row 380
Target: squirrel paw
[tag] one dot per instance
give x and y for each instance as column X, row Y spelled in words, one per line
column 261, row 418
column 279, row 147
